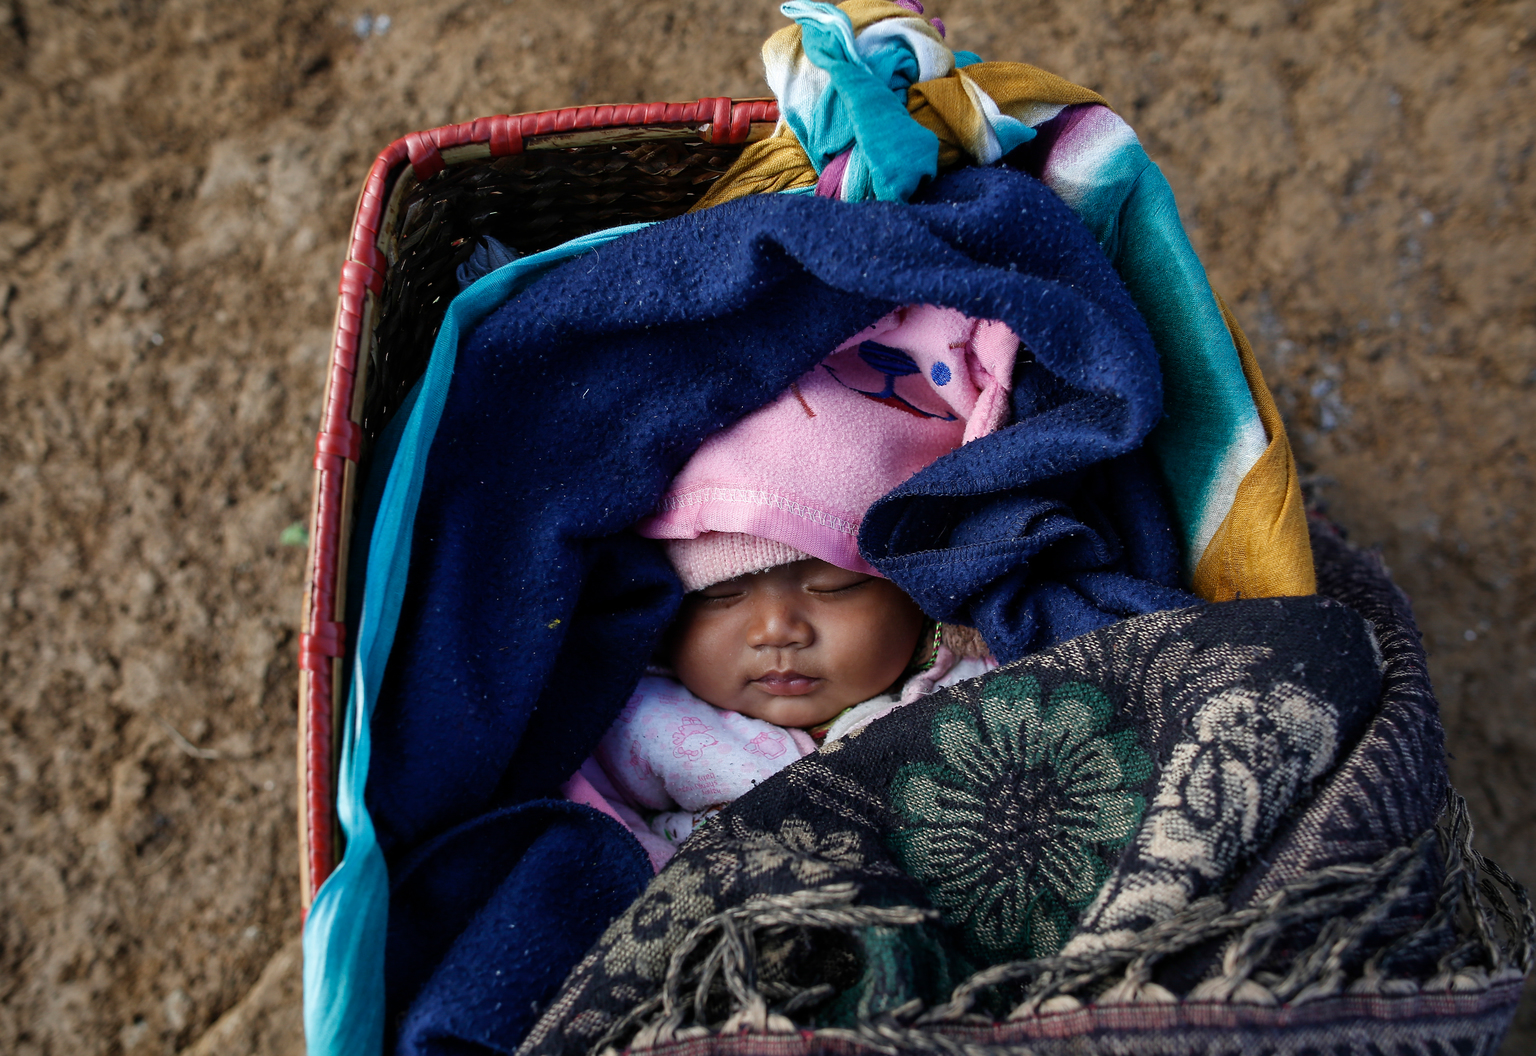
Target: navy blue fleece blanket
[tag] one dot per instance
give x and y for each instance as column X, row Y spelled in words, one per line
column 530, row 610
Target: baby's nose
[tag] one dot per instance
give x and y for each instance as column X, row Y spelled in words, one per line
column 778, row 623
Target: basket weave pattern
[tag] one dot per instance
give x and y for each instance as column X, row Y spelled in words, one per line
column 530, row 180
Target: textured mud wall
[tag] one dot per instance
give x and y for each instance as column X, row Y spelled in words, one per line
column 176, row 187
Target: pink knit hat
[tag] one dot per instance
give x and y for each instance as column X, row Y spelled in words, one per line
column 715, row 557
column 794, row 479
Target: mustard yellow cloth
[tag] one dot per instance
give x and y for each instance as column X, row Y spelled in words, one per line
column 1261, row 549
column 948, row 108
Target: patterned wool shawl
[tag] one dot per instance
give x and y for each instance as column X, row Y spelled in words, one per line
column 1116, row 793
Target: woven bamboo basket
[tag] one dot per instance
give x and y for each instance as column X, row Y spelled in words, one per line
column 531, row 180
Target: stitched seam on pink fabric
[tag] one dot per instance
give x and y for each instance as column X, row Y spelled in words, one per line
column 700, row 495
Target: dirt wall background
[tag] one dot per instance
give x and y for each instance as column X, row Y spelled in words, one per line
column 176, row 186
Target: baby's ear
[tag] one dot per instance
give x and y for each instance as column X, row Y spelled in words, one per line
column 964, row 641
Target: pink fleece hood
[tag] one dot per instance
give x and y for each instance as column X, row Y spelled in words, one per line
column 800, row 473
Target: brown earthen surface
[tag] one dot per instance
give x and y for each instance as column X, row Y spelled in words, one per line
column 177, row 182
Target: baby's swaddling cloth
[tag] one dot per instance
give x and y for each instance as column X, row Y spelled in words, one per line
column 670, row 752
column 670, row 760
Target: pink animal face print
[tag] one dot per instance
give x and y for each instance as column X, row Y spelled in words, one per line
column 768, row 745
column 691, row 738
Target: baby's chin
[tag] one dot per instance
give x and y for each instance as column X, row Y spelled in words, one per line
column 794, row 712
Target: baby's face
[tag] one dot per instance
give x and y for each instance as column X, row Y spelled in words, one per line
column 796, row 644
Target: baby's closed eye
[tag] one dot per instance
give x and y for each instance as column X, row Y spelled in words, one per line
column 831, row 586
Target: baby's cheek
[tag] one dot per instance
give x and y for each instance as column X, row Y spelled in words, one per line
column 893, row 661
column 703, row 656
column 897, row 644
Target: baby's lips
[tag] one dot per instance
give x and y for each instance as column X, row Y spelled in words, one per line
column 786, row 683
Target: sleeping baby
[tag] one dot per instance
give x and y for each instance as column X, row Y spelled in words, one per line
column 787, row 638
